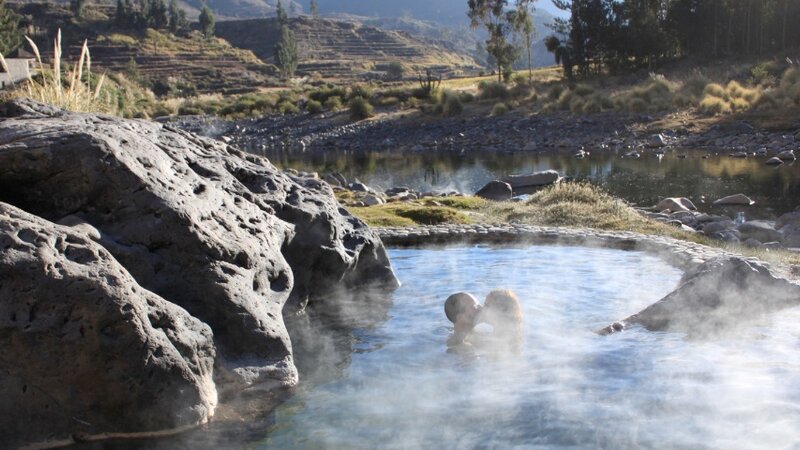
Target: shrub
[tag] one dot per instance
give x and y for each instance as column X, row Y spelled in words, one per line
column 520, row 79
column 714, row 105
column 636, row 105
column 565, row 99
column 466, row 97
column 451, row 104
column 334, row 103
column 694, row 86
column 322, row 95
column 521, row 91
column 395, row 70
column 360, row 108
column 389, row 101
column 583, row 90
column 555, row 92
column 360, row 90
column 499, row 109
column 413, row 103
column 162, row 110
column 493, row 90
column 765, row 74
column 190, row 110
column 287, row 107
column 576, row 105
column 314, row 107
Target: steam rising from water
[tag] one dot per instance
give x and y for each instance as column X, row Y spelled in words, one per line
column 569, row 387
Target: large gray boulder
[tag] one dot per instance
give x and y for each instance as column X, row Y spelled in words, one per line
column 85, row 349
column 223, row 234
column 715, row 298
column 676, row 204
column 496, row 191
column 759, row 230
column 736, row 199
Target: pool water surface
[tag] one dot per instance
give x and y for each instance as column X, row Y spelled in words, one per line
column 568, row 387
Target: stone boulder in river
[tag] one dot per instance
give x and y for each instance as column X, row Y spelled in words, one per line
column 223, row 234
column 716, row 297
column 736, row 199
column 676, row 204
column 86, row 350
column 544, row 178
column 496, row 191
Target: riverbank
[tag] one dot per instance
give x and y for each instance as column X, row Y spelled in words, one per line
column 517, row 131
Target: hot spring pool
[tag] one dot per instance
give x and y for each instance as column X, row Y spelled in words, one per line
column 569, row 388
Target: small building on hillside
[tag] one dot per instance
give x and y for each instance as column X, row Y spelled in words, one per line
column 20, row 64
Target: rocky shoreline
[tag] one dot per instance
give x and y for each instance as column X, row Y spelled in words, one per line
column 511, row 133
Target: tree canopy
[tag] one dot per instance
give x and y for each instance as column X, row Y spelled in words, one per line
column 621, row 34
column 10, row 37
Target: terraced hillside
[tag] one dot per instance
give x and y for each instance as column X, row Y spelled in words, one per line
column 203, row 66
column 211, row 66
column 347, row 50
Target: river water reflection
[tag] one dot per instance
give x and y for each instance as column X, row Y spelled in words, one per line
column 643, row 181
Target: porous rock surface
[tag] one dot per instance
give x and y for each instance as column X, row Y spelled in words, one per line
column 224, row 235
column 85, row 348
column 716, row 297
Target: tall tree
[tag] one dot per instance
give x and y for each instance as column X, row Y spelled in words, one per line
column 280, row 13
column 158, row 18
column 10, row 37
column 177, row 17
column 522, row 20
column 493, row 15
column 206, row 22
column 286, row 52
column 314, row 7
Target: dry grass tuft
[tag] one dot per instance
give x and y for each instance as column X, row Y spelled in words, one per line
column 73, row 88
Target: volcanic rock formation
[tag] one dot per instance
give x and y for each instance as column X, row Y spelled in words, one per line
column 190, row 232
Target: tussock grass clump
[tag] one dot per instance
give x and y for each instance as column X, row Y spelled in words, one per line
column 657, row 94
column 493, row 90
column 578, row 205
column 432, row 215
column 450, row 103
column 732, row 98
column 499, row 109
column 715, row 90
column 73, row 88
column 715, row 105
column 360, row 108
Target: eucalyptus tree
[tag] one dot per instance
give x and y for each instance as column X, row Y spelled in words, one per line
column 494, row 16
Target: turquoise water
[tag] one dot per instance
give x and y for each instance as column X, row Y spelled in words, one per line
column 569, row 388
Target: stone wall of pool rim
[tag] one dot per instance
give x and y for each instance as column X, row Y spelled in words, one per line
column 682, row 254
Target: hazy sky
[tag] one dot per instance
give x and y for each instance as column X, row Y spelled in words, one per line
column 547, row 5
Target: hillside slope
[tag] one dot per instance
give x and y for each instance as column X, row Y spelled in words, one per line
column 191, row 62
column 344, row 49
